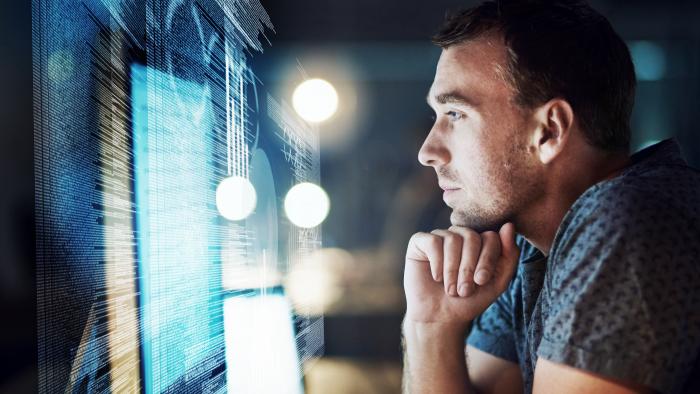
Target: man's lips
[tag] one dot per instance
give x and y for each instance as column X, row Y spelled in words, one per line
column 448, row 190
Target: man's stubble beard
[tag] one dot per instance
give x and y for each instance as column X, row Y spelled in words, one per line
column 519, row 185
column 481, row 218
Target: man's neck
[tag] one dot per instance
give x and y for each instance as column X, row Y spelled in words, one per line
column 539, row 224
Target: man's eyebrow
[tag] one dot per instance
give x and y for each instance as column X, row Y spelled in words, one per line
column 453, row 98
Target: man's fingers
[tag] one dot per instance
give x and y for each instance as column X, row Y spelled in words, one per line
column 471, row 248
column 510, row 254
column 428, row 247
column 452, row 252
column 490, row 253
column 462, row 258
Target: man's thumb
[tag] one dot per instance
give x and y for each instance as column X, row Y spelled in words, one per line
column 508, row 247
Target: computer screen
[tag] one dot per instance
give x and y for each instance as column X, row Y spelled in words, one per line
column 162, row 167
column 213, row 311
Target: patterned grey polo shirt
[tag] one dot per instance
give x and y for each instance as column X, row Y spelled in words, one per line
column 619, row 294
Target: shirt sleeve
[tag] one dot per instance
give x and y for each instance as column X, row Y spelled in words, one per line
column 622, row 293
column 492, row 331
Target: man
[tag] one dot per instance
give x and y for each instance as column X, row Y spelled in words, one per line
column 600, row 292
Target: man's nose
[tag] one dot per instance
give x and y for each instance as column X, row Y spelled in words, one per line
column 433, row 152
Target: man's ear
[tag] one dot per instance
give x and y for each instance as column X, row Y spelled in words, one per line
column 555, row 120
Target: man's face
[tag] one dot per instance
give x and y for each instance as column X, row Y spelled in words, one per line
column 478, row 143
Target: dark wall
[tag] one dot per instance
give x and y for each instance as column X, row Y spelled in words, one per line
column 17, row 283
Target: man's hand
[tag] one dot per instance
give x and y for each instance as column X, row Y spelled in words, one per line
column 453, row 275
column 442, row 297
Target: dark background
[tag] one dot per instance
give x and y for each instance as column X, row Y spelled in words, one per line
column 379, row 57
column 18, row 345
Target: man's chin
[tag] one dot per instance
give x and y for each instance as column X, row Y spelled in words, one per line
column 478, row 224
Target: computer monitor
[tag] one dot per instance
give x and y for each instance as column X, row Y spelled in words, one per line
column 197, row 335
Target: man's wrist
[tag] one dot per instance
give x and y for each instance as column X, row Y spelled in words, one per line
column 434, row 357
column 429, row 337
column 428, row 331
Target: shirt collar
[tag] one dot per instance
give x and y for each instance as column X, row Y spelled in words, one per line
column 666, row 152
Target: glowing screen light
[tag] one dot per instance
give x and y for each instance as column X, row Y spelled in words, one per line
column 235, row 198
column 306, row 205
column 261, row 356
column 315, row 100
column 178, row 275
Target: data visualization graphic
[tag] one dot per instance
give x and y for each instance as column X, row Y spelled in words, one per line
column 162, row 169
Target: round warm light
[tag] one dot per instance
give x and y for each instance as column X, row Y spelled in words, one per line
column 315, row 283
column 306, row 205
column 235, row 198
column 315, row 100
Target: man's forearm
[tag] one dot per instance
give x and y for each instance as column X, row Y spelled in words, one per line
column 434, row 359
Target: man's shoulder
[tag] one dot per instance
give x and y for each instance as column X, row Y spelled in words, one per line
column 622, row 277
column 648, row 197
column 672, row 186
column 637, row 214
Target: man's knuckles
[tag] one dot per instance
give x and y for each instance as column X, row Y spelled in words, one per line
column 433, row 242
column 455, row 241
column 470, row 237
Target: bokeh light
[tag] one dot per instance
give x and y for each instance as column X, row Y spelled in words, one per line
column 649, row 60
column 235, row 198
column 315, row 100
column 306, row 205
column 315, row 283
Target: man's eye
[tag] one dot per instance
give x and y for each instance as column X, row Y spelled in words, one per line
column 454, row 115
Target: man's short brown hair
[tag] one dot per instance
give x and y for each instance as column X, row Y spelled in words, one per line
column 558, row 49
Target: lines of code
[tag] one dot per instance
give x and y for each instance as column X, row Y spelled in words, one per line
column 142, row 110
